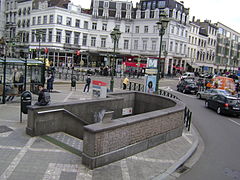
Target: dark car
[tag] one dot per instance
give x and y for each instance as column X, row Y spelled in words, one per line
column 224, row 104
column 187, row 86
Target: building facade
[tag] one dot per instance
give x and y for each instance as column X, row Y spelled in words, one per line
column 228, row 49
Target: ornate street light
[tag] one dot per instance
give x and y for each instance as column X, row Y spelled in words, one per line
column 115, row 35
column 162, row 26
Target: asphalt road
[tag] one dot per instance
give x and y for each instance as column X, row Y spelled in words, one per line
column 221, row 135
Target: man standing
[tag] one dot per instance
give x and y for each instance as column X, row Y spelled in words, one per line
column 87, row 85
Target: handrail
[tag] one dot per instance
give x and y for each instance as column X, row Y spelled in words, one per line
column 64, row 110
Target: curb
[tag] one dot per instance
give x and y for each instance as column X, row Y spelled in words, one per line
column 182, row 160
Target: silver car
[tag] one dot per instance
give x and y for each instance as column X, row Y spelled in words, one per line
column 210, row 92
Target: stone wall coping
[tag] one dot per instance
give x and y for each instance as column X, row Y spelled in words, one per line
column 60, row 104
column 120, row 122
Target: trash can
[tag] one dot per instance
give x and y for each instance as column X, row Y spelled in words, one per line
column 26, row 100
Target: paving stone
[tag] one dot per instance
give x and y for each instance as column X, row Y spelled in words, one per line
column 4, row 129
column 68, row 176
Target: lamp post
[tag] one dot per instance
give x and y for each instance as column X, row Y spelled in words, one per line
column 115, row 35
column 162, row 26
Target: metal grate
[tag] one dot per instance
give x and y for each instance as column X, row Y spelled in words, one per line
column 4, row 129
column 182, row 169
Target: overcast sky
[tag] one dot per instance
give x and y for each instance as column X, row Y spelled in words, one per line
column 224, row 11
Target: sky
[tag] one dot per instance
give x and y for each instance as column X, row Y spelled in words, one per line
column 224, row 11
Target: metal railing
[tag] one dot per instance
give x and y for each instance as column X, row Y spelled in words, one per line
column 133, row 86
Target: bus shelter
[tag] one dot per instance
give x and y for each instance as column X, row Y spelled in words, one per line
column 18, row 74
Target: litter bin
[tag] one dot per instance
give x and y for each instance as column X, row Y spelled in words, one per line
column 26, row 100
column 73, row 82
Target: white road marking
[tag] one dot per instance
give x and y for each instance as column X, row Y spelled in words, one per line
column 187, row 138
column 68, row 96
column 125, row 172
column 54, row 171
column 152, row 160
column 7, row 173
column 234, row 121
column 10, row 147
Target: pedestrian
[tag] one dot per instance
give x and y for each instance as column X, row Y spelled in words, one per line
column 21, row 81
column 50, row 80
column 125, row 83
column 43, row 96
column 87, row 85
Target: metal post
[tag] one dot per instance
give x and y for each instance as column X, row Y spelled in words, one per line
column 25, row 75
column 4, row 76
column 112, row 64
column 159, row 62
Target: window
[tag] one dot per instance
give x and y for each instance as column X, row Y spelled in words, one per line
column 85, row 26
column 128, row 6
column 84, row 41
column 39, row 19
column 59, row 36
column 33, row 36
column 137, row 29
column 33, row 20
column 76, row 38
column 177, row 30
column 103, row 42
column 24, row 11
column 154, row 45
column 68, row 37
column 106, row 4
column 51, row 19
column 135, row 45
column 104, row 27
column 69, row 21
column 145, row 29
column 77, row 23
column 125, row 46
column 184, row 49
column 19, row 12
column 171, row 46
column 155, row 29
column 59, row 19
column 127, row 29
column 28, row 10
column 93, row 41
column 28, row 23
column 176, row 47
column 50, row 34
column 182, row 32
column 44, row 35
column 181, row 46
column 144, row 44
column 94, row 26
column 44, row 19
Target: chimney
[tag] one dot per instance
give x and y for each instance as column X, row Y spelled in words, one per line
column 193, row 18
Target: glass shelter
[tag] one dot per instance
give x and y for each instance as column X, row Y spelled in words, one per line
column 19, row 75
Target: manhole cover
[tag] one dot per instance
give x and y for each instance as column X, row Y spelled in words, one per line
column 232, row 173
column 4, row 129
column 182, row 169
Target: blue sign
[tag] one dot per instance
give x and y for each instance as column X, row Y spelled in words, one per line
column 205, row 68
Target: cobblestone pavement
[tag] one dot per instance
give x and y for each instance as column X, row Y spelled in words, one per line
column 34, row 158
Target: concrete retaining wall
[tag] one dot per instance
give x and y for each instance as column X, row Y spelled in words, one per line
column 155, row 119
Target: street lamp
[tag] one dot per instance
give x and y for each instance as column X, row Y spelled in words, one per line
column 162, row 26
column 115, row 35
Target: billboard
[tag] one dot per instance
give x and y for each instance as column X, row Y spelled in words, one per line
column 150, row 84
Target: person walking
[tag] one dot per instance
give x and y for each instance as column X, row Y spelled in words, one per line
column 50, row 80
column 87, row 85
column 125, row 83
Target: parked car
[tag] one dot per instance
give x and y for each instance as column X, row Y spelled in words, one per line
column 223, row 104
column 210, row 92
column 188, row 75
column 187, row 86
column 206, row 75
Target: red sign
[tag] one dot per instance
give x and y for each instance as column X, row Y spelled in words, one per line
column 78, row 53
column 133, row 64
column 99, row 83
column 46, row 50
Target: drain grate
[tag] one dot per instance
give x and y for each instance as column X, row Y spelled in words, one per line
column 232, row 173
column 182, row 169
column 4, row 129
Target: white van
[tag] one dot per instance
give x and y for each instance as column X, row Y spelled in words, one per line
column 188, row 75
